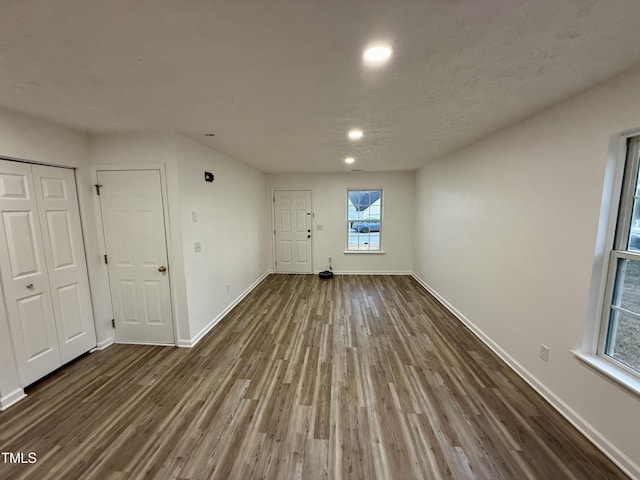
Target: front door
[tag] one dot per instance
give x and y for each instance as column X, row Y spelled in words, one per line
column 134, row 230
column 292, row 216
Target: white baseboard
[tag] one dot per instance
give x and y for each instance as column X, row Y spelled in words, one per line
column 594, row 436
column 221, row 315
column 105, row 343
column 12, row 398
column 361, row 272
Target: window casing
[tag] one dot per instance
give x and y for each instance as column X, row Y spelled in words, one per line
column 364, row 220
column 619, row 340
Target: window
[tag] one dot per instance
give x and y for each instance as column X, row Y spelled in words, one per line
column 620, row 334
column 364, row 220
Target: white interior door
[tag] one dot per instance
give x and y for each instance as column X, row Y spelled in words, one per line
column 134, row 231
column 292, row 215
column 55, row 190
column 24, row 275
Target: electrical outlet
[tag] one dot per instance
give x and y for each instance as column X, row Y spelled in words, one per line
column 544, row 352
column 197, row 247
column 228, row 288
column 194, row 216
column 319, row 226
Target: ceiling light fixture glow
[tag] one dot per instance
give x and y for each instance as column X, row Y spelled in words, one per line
column 355, row 134
column 349, row 160
column 377, row 54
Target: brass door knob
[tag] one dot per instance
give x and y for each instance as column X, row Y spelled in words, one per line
column 162, row 269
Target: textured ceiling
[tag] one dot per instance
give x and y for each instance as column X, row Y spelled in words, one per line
column 280, row 82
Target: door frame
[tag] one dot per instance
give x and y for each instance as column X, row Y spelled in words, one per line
column 160, row 167
column 272, row 197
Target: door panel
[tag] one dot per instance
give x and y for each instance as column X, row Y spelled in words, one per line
column 22, row 244
column 301, row 251
column 293, row 231
column 71, row 314
column 64, row 252
column 153, row 300
column 133, row 221
column 285, row 249
column 14, row 185
column 61, row 237
column 25, row 281
column 33, row 318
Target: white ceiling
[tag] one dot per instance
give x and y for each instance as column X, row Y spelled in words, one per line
column 281, row 81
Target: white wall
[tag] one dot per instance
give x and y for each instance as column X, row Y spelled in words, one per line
column 329, row 203
column 25, row 138
column 506, row 233
column 232, row 223
column 232, row 227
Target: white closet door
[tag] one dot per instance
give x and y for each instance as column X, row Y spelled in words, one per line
column 24, row 275
column 57, row 200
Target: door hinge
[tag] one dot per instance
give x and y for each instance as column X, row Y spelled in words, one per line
column 274, row 232
column 97, row 188
column 106, row 260
column 113, row 323
column 274, row 199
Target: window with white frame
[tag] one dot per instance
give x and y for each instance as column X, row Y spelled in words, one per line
column 364, row 220
column 620, row 332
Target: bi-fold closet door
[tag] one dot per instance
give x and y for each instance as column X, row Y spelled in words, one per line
column 43, row 268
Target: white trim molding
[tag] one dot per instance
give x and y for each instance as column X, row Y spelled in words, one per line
column 364, row 252
column 105, row 343
column 584, row 427
column 221, row 315
column 615, row 374
column 11, row 399
column 365, row 272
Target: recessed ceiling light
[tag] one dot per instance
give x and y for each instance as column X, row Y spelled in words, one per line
column 349, row 160
column 355, row 134
column 209, row 134
column 377, row 54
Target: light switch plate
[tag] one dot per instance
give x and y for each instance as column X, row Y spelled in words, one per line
column 194, row 216
column 198, row 247
column 544, row 353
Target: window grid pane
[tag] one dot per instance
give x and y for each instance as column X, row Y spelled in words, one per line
column 622, row 338
column 633, row 243
column 623, row 329
column 364, row 220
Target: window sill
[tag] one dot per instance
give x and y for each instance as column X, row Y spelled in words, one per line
column 625, row 380
column 365, row 252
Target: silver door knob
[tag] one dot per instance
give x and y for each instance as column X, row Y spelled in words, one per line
column 162, row 269
column 30, row 286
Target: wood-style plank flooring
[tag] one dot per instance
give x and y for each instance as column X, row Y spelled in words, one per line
column 360, row 377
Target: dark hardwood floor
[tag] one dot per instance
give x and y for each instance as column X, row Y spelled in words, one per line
column 358, row 377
